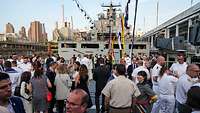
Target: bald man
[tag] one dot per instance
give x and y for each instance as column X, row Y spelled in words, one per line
column 77, row 101
column 155, row 75
column 184, row 83
column 156, row 71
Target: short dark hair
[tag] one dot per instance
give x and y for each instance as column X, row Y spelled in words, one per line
column 38, row 69
column 77, row 63
column 7, row 64
column 143, row 74
column 26, row 76
column 3, row 76
column 14, row 62
column 193, row 97
column 121, row 69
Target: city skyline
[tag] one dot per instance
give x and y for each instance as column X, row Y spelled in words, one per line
column 23, row 12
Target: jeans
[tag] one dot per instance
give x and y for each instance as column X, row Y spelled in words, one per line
column 97, row 96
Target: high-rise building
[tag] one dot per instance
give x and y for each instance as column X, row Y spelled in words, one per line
column 44, row 34
column 9, row 28
column 63, row 33
column 37, row 33
column 22, row 33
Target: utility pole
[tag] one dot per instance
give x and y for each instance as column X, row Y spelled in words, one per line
column 191, row 2
column 157, row 8
column 136, row 3
column 144, row 25
column 63, row 16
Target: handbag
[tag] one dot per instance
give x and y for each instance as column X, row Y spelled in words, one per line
column 49, row 96
column 17, row 91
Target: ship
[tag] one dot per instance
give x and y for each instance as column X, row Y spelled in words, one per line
column 101, row 38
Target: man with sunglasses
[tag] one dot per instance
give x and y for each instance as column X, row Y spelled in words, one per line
column 77, row 101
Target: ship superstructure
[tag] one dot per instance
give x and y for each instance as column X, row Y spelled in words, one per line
column 102, row 37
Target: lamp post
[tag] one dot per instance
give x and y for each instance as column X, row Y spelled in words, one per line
column 191, row 2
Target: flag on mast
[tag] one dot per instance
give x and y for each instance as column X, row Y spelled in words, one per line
column 113, row 42
column 122, row 34
column 119, row 41
column 126, row 15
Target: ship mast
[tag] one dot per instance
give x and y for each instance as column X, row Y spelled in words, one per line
column 111, row 16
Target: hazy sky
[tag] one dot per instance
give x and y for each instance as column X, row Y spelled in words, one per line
column 22, row 12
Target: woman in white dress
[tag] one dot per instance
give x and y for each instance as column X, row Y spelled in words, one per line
column 166, row 88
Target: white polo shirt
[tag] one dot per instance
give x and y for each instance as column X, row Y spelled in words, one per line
column 180, row 69
column 85, row 61
column 25, row 67
column 155, row 72
column 167, row 84
column 14, row 78
column 183, row 85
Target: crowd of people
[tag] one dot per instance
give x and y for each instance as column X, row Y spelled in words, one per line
column 140, row 84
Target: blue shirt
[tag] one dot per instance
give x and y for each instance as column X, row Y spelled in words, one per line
column 10, row 108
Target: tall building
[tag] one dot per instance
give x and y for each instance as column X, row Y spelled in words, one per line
column 63, row 33
column 9, row 28
column 44, row 34
column 22, row 33
column 36, row 32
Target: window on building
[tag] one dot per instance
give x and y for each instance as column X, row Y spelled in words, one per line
column 90, row 46
column 138, row 46
column 68, row 45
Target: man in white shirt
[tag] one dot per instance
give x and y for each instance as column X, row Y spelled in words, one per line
column 1, row 64
column 138, row 69
column 183, row 85
column 179, row 68
column 85, row 61
column 128, row 60
column 14, row 75
column 26, row 65
column 78, row 58
column 155, row 75
column 14, row 66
